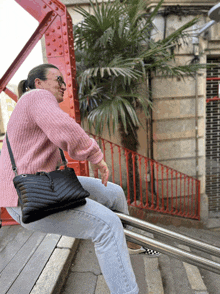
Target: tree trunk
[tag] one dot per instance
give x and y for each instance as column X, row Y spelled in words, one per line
column 129, row 141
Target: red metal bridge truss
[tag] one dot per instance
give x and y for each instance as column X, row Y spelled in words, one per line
column 160, row 188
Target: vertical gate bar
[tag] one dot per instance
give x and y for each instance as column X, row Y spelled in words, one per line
column 184, row 208
column 128, row 181
column 167, row 172
column 120, row 173
column 162, row 208
column 176, row 211
column 188, row 196
column 134, row 179
column 146, row 177
column 192, row 197
column 103, row 149
column 171, row 191
column 112, row 157
column 157, row 169
column 198, row 182
column 140, row 179
column 180, row 211
column 152, row 185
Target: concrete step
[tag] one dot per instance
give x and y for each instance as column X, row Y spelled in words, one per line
column 163, row 275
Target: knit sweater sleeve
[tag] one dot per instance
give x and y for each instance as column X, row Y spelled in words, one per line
column 61, row 129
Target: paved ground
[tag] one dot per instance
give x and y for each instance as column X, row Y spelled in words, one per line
column 36, row 263
column 85, row 276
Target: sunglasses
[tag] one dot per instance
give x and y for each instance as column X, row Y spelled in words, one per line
column 60, row 81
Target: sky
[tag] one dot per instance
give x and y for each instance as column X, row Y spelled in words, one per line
column 16, row 27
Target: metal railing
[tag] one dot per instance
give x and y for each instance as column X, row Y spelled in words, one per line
column 168, row 249
column 149, row 184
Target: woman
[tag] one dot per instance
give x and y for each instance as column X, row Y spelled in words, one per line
column 36, row 129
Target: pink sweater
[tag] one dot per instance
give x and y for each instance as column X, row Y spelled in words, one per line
column 36, row 129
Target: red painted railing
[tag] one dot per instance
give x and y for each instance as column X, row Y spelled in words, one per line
column 149, row 184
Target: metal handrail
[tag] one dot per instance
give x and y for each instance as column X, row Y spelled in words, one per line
column 168, row 249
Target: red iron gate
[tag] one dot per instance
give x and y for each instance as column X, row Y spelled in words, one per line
column 151, row 185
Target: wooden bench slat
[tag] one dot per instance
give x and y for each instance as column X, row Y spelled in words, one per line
column 32, row 270
column 18, row 262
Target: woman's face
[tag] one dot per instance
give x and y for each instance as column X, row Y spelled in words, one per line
column 54, row 83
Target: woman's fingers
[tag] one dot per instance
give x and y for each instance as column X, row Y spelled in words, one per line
column 103, row 168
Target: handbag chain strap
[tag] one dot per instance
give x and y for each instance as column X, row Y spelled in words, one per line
column 14, row 167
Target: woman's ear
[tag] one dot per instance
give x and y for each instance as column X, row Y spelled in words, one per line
column 38, row 83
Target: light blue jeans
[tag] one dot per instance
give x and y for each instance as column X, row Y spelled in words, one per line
column 95, row 221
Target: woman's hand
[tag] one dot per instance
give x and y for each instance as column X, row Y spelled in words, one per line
column 103, row 168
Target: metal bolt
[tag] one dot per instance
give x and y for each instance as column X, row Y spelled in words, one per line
column 48, row 44
column 53, row 30
column 56, row 8
column 64, row 33
column 67, row 62
column 53, row 13
column 66, row 51
column 60, row 46
column 64, row 24
column 45, row 6
column 54, row 40
column 49, row 53
column 50, row 2
column 58, row 27
column 71, row 107
column 47, row 34
column 55, row 50
column 68, row 73
column 69, row 85
column 61, row 53
column 59, row 36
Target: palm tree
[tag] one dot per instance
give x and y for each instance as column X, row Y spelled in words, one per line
column 115, row 54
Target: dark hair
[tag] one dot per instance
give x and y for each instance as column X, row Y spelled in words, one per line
column 39, row 72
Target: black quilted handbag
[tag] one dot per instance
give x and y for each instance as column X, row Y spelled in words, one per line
column 42, row 194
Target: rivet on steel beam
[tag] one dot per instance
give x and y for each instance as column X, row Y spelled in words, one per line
column 47, row 34
column 65, row 42
column 46, row 24
column 55, row 50
column 59, row 36
column 71, row 107
column 64, row 33
column 67, row 62
column 49, row 53
column 68, row 73
column 69, row 85
column 50, row 2
column 45, row 6
column 56, row 8
column 64, row 24
column 49, row 19
column 53, row 30
column 66, row 51
column 54, row 40
column 53, row 13
column 60, row 46
column 58, row 27
column 61, row 53
column 48, row 44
